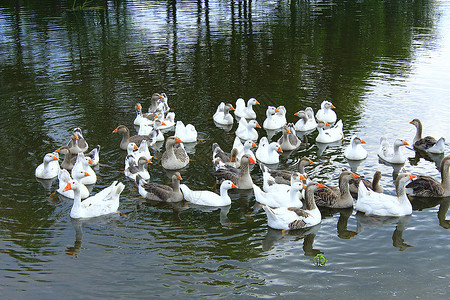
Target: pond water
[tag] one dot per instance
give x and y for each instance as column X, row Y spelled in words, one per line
column 382, row 64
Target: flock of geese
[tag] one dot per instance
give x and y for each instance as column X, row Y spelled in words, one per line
column 290, row 199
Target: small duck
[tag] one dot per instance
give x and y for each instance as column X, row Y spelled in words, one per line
column 284, row 218
column 83, row 164
column 372, row 203
column 326, row 113
column 126, row 139
column 284, row 198
column 174, row 157
column 240, row 177
column 284, row 176
column 268, row 153
column 391, row 154
column 222, row 115
column 337, row 197
column 104, row 202
column 426, row 186
column 48, row 169
column 160, row 192
column 330, row 135
column 69, row 158
column 421, row 143
column 273, row 121
column 289, row 140
column 243, row 111
column 209, row 198
column 64, row 178
column 137, row 168
column 373, row 185
column 188, row 133
column 355, row 151
column 77, row 142
column 246, row 130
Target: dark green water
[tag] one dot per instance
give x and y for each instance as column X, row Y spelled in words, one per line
column 380, row 63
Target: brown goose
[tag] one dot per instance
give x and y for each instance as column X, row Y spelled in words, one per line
column 240, row 177
column 284, row 176
column 77, row 142
column 374, row 185
column 426, row 186
column 228, row 158
column 289, row 140
column 336, row 197
column 69, row 158
column 421, row 143
column 175, row 157
column 126, row 138
column 160, row 192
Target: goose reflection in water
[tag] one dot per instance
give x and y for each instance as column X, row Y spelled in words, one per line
column 308, row 235
column 442, row 213
column 364, row 222
column 323, row 146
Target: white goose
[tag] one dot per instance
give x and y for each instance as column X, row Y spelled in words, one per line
column 139, row 167
column 330, row 135
column 286, row 198
column 268, row 153
column 243, row 111
column 392, row 154
column 48, row 169
column 305, row 123
column 64, row 178
column 104, row 202
column 380, row 204
column 168, row 120
column 222, row 115
column 246, row 130
column 245, row 148
column 83, row 164
column 325, row 113
column 188, row 133
column 355, row 151
column 273, row 121
column 209, row 198
column 285, row 218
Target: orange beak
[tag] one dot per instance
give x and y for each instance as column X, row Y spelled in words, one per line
column 254, row 145
column 91, row 161
column 149, row 161
column 277, row 110
column 410, row 122
column 115, row 130
column 232, row 108
column 406, row 143
column 179, row 177
column 288, row 131
column 257, row 102
column 86, row 174
column 136, row 147
column 68, row 187
column 355, row 175
column 411, row 176
column 311, row 162
column 178, row 140
column 258, row 126
column 55, row 158
column 320, row 186
column 304, row 186
column 279, row 149
column 233, row 159
column 296, row 114
column 234, row 186
column 139, row 107
column 326, row 124
column 363, row 141
column 58, row 150
column 252, row 160
column 332, row 106
column 76, row 136
column 302, row 177
column 162, row 123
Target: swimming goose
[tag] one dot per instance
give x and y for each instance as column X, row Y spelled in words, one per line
column 167, row 121
column 64, row 178
column 188, row 133
column 77, row 142
column 273, row 121
column 336, row 197
column 285, row 198
column 355, row 151
column 244, row 148
column 243, row 111
column 325, row 113
column 139, row 167
column 421, row 143
column 268, row 153
column 147, row 129
column 391, row 154
column 284, row 176
column 331, row 134
column 284, row 218
column 104, row 202
column 246, row 130
column 175, row 157
column 94, row 155
column 209, row 198
column 228, row 158
column 240, row 177
column 374, row 185
column 305, row 123
column 222, row 115
column 289, row 140
column 69, row 158
column 83, row 164
column 126, row 139
column 160, row 192
column 49, row 167
column 426, row 186
column 379, row 204
column 154, row 103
